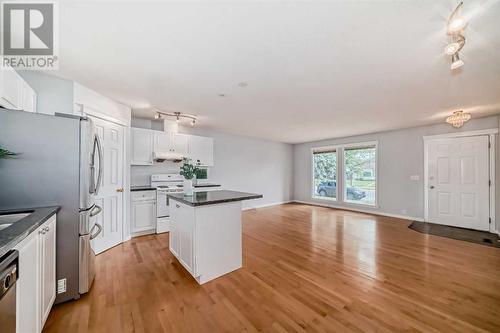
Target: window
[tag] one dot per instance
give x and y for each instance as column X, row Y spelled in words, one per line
column 360, row 180
column 325, row 175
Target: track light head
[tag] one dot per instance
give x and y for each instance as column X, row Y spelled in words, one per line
column 456, row 62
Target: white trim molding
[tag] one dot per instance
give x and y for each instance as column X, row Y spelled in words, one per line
column 360, row 210
column 492, row 168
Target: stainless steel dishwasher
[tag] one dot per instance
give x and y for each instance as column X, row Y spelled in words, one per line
column 8, row 276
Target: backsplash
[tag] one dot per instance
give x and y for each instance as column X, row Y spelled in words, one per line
column 140, row 175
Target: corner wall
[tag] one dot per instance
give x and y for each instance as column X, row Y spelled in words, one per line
column 400, row 155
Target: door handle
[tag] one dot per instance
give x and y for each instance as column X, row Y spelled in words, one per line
column 92, row 236
column 119, row 189
column 95, row 210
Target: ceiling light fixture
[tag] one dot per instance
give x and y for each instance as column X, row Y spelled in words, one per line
column 178, row 116
column 456, row 25
column 456, row 62
column 458, row 118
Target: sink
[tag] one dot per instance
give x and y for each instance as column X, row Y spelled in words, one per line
column 12, row 218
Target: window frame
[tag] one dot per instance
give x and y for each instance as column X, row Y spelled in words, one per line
column 325, row 149
column 340, row 176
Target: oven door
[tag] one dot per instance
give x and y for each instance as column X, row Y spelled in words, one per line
column 162, row 209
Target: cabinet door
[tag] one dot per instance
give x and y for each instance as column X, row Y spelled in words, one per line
column 201, row 149
column 29, row 98
column 48, row 267
column 28, row 285
column 185, row 223
column 10, row 89
column 143, row 216
column 174, row 232
column 163, row 141
column 180, row 143
column 142, row 146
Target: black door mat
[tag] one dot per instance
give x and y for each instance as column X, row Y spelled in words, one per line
column 468, row 235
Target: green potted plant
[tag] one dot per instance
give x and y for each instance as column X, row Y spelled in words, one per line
column 4, row 153
column 188, row 170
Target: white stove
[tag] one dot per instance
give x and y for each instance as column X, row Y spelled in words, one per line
column 165, row 183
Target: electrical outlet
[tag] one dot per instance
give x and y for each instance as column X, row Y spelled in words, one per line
column 61, row 286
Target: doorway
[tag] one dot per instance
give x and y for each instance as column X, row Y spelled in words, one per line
column 111, row 194
column 458, row 180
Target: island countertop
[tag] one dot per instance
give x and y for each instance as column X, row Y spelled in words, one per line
column 212, row 197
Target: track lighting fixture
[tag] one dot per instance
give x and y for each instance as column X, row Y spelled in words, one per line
column 456, row 25
column 178, row 116
column 456, row 62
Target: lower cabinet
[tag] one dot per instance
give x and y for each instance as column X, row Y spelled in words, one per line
column 182, row 234
column 143, row 212
column 36, row 287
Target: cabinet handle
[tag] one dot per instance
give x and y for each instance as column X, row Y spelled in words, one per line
column 47, row 229
column 177, row 206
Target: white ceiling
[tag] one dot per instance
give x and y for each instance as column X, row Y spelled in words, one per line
column 314, row 69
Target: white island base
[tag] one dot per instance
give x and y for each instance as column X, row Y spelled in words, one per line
column 206, row 239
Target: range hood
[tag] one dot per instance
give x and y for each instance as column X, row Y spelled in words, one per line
column 161, row 156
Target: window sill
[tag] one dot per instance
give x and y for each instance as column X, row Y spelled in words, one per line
column 324, row 199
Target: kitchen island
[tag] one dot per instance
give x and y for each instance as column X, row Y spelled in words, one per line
column 205, row 233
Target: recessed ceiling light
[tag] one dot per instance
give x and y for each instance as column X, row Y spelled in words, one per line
column 242, row 84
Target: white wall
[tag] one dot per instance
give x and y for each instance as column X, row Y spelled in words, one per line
column 241, row 164
column 401, row 154
column 54, row 95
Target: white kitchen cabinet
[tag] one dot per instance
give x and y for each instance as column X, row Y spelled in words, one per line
column 48, row 267
column 201, row 149
column 10, row 89
column 143, row 212
column 36, row 288
column 162, row 141
column 184, row 233
column 180, row 143
column 171, row 142
column 28, row 285
column 29, row 98
column 142, row 146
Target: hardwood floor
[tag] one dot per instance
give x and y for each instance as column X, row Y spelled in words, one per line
column 305, row 269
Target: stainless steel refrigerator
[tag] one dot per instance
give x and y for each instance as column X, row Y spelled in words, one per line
column 59, row 164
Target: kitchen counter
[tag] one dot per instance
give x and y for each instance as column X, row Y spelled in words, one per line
column 12, row 235
column 142, row 188
column 212, row 197
column 206, row 185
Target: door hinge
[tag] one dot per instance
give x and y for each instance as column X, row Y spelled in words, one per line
column 489, row 182
column 490, row 220
column 489, row 144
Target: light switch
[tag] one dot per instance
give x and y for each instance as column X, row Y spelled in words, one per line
column 415, row 177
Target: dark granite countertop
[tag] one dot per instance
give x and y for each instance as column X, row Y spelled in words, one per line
column 206, row 185
column 142, row 188
column 12, row 235
column 212, row 197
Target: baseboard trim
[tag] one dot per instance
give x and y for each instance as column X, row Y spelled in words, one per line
column 268, row 205
column 360, row 210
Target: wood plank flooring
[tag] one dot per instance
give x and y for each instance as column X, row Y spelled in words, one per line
column 305, row 269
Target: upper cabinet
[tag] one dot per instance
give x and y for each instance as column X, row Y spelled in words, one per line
column 15, row 93
column 141, row 146
column 171, row 142
column 146, row 142
column 201, row 150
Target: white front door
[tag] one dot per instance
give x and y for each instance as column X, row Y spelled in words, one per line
column 458, row 182
column 110, row 196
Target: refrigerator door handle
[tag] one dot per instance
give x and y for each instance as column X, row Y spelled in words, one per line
column 92, row 236
column 96, row 210
column 98, row 146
